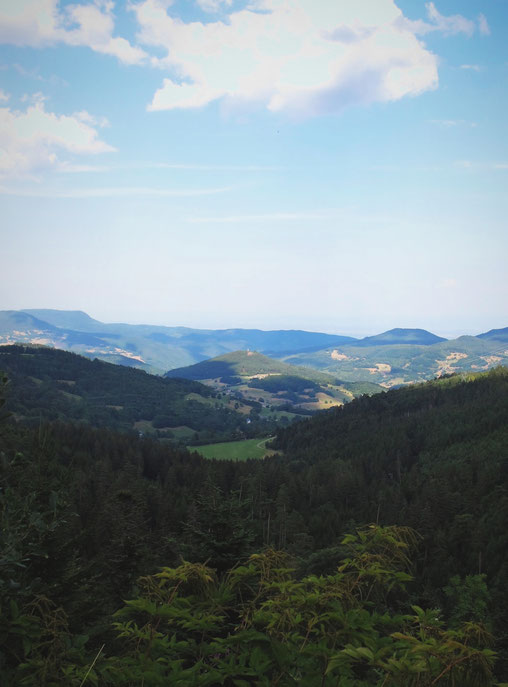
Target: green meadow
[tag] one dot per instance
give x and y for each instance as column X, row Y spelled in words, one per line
column 234, row 450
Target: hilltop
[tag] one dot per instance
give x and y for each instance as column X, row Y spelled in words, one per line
column 257, row 377
column 417, row 337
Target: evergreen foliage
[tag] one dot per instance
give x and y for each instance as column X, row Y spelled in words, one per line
column 48, row 384
column 271, row 591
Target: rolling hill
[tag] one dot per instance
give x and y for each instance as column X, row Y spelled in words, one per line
column 495, row 335
column 256, row 377
column 395, row 364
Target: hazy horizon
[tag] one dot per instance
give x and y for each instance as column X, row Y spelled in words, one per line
column 359, row 332
column 334, row 167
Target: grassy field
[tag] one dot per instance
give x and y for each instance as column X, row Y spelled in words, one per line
column 234, row 450
column 182, row 433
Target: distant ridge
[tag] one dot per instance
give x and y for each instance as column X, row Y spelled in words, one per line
column 413, row 337
column 66, row 319
column 12, row 320
column 155, row 348
column 495, row 335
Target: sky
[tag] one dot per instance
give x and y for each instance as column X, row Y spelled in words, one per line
column 328, row 165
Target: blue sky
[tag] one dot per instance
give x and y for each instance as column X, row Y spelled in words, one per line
column 331, row 165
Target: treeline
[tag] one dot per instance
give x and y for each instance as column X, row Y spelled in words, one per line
column 86, row 512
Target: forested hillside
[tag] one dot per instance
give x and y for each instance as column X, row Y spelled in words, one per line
column 391, row 363
column 252, row 376
column 86, row 512
column 49, row 384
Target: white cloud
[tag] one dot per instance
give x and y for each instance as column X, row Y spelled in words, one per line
column 34, row 74
column 70, row 168
column 483, row 25
column 33, row 140
column 451, row 25
column 266, row 217
column 471, row 67
column 4, row 96
column 112, row 192
column 300, row 56
column 213, row 5
column 464, row 164
column 87, row 118
column 449, row 123
column 41, row 22
column 448, row 26
column 481, row 166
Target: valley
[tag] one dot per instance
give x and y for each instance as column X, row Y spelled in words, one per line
column 121, row 536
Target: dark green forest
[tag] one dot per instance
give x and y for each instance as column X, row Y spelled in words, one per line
column 48, row 384
column 371, row 551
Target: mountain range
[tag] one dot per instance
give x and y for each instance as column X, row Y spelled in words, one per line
column 398, row 356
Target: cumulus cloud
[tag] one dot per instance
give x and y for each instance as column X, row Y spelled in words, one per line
column 35, row 139
column 301, row 56
column 39, row 23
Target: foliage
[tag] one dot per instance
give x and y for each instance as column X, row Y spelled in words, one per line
column 263, row 626
column 85, row 512
column 49, row 384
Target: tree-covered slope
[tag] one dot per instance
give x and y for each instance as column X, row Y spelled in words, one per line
column 246, row 364
column 433, row 456
column 254, row 376
column 84, row 512
column 392, row 365
column 495, row 335
column 49, row 384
